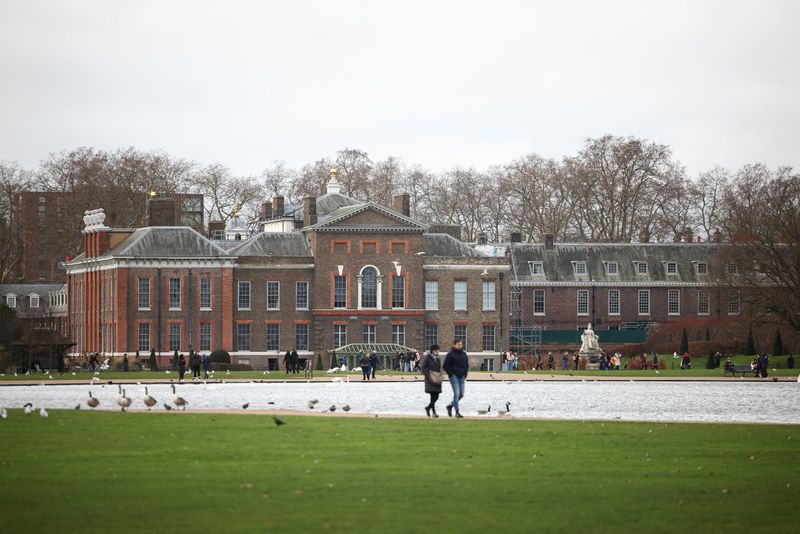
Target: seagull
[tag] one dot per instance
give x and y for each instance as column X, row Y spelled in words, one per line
column 28, row 408
column 245, row 405
column 3, row 413
column 179, row 401
column 124, row 401
column 346, row 407
column 167, row 407
column 148, row 400
column 332, row 408
column 43, row 413
column 278, row 422
column 92, row 402
column 310, row 405
column 486, row 411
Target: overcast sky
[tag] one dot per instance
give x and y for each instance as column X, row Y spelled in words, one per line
column 435, row 83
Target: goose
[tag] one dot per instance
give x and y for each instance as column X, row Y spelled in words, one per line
column 28, row 408
column 346, row 407
column 486, row 411
column 124, row 401
column 92, row 402
column 504, row 412
column 3, row 413
column 148, row 400
column 332, row 408
column 178, row 401
column 43, row 413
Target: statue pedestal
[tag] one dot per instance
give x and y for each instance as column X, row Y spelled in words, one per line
column 593, row 357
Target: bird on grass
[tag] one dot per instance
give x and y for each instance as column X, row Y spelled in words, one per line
column 92, row 402
column 346, row 407
column 43, row 413
column 148, row 400
column 278, row 422
column 486, row 411
column 167, row 407
column 28, row 408
column 124, row 401
column 245, row 405
column 3, row 413
column 506, row 411
column 178, row 401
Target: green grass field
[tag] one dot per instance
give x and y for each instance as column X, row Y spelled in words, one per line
column 138, row 472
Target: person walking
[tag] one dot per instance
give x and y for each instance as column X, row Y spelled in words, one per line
column 365, row 367
column 431, row 367
column 295, row 361
column 456, row 365
column 373, row 363
column 195, row 359
column 125, row 364
column 287, row 361
column 206, row 365
column 181, row 367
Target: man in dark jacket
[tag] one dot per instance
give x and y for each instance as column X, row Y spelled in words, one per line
column 287, row 361
column 206, row 360
column 295, row 361
column 373, row 364
column 456, row 365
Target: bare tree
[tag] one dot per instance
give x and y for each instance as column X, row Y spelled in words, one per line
column 312, row 179
column 539, row 202
column 353, row 168
column 707, row 199
column 13, row 180
column 278, row 178
column 386, row 178
column 227, row 195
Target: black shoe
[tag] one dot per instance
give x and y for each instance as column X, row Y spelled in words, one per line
column 449, row 410
column 434, row 411
column 459, row 416
column 428, row 410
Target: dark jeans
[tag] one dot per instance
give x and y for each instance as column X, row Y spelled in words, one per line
column 205, row 372
column 434, row 398
column 195, row 372
column 366, row 372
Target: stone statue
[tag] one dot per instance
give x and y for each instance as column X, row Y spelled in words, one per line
column 589, row 340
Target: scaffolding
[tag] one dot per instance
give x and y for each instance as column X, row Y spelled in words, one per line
column 525, row 335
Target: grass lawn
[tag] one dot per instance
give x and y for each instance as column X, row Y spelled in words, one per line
column 160, row 472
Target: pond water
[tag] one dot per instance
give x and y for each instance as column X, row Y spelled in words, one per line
column 632, row 401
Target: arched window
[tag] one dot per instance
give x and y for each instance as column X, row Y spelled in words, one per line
column 369, row 287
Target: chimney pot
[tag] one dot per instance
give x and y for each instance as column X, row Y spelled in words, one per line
column 309, row 211
column 277, row 206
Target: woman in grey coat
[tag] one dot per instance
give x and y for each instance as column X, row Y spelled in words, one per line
column 431, row 367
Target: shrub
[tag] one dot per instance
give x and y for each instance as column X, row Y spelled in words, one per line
column 684, row 348
column 711, row 362
column 777, row 346
column 750, row 348
column 220, row 356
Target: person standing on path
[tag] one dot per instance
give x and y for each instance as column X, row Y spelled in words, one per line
column 373, row 363
column 431, row 367
column 206, row 365
column 295, row 360
column 456, row 365
column 365, row 367
column 195, row 359
column 125, row 364
column 181, row 367
column 287, row 361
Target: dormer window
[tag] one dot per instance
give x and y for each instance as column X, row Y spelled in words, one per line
column 672, row 267
column 701, row 267
column 536, row 267
column 579, row 267
column 733, row 268
column 612, row 268
column 11, row 300
column 641, row 267
column 33, row 300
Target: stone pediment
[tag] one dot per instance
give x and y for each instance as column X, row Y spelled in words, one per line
column 368, row 217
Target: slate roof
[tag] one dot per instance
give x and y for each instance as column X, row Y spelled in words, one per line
column 292, row 245
column 341, row 215
column 167, row 242
column 330, row 202
column 448, row 246
column 26, row 289
column 559, row 262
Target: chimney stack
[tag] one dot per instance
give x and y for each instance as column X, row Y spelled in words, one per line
column 717, row 236
column 549, row 241
column 266, row 210
column 402, row 204
column 96, row 239
column 516, row 237
column 161, row 212
column 482, row 238
column 277, row 207
column 309, row 211
column 453, row 230
column 644, row 235
column 687, row 235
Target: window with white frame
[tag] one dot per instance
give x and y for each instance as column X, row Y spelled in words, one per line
column 672, row 267
column 431, row 295
column 243, row 336
column 399, row 334
column 368, row 333
column 174, row 336
column 205, row 293
column 703, row 302
column 538, row 302
column 273, row 295
column 613, row 302
column 612, row 268
column 460, row 334
column 536, row 267
column 339, row 335
column 734, row 304
column 339, row 291
column 11, row 300
column 243, row 295
column 489, row 295
column 460, row 295
column 674, row 302
column 174, row 293
column 301, row 336
column 644, row 302
column 144, row 293
column 399, row 291
column 143, row 341
column 702, row 267
column 369, row 287
column 488, row 338
column 273, row 336
column 431, row 335
column 33, row 300
column 583, row 302
column 301, row 295
column 579, row 267
column 641, row 267
column 205, row 336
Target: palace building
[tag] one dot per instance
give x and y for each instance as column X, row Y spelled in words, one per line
column 329, row 273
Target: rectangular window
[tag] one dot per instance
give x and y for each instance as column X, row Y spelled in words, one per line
column 399, row 334
column 460, row 334
column 174, row 293
column 613, row 301
column 536, row 267
column 369, row 247
column 644, row 302
column 612, row 268
column 301, row 336
column 702, row 267
column 583, row 302
column 273, row 295
column 538, row 302
column 301, row 295
column 34, row 303
column 144, row 293
column 672, row 267
column 431, row 335
column 488, row 338
column 205, row 336
column 273, row 336
column 243, row 333
column 243, row 295
column 489, row 296
column 398, row 292
column 11, row 301
column 703, row 303
column 340, row 292
column 734, row 306
column 340, row 247
column 641, row 267
column 732, row 268
column 431, row 295
column 205, row 293
column 368, row 333
column 144, row 337
column 174, row 336
column 579, row 266
column 460, row 295
column 339, row 335
column 674, row 302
